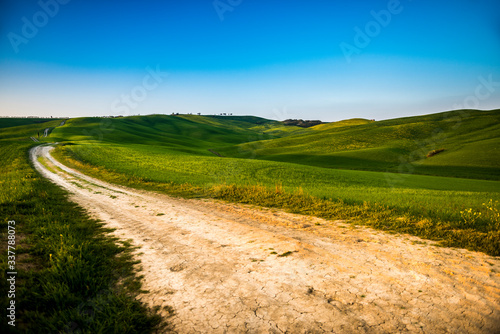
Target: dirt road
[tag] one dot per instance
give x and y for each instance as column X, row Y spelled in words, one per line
column 228, row 268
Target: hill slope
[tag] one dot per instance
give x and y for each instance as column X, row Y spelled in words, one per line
column 184, row 133
column 470, row 139
column 201, row 156
column 6, row 122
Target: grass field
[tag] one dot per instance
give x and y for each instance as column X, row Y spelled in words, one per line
column 371, row 173
column 344, row 170
column 71, row 275
column 7, row 122
column 469, row 138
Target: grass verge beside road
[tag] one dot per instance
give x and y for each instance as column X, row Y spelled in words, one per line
column 72, row 276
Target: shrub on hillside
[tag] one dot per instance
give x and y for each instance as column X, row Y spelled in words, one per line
column 434, row 152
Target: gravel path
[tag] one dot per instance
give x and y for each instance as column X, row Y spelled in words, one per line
column 229, row 268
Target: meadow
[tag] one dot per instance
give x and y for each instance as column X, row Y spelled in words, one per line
column 72, row 276
column 345, row 170
column 469, row 138
column 7, row 122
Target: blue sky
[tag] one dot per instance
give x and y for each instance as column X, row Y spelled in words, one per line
column 313, row 59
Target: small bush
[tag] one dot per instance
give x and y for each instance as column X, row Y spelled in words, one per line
column 434, row 152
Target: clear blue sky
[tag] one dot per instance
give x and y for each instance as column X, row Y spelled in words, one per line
column 315, row 59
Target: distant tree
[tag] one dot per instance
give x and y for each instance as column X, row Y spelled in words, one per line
column 302, row 123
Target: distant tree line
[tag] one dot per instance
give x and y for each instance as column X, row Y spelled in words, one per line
column 302, row 123
column 44, row 117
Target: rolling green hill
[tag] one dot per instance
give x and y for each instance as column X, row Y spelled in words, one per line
column 375, row 173
column 371, row 172
column 359, row 171
column 470, row 140
column 184, row 133
column 19, row 133
column 6, row 122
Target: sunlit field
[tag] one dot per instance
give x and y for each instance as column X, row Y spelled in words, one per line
column 248, row 160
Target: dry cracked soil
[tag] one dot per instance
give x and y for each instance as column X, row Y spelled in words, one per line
column 231, row 268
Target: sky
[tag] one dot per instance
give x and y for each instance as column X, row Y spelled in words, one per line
column 314, row 59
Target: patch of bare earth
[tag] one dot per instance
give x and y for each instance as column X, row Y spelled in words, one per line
column 240, row 269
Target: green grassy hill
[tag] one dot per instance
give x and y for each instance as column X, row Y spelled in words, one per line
column 183, row 133
column 470, row 140
column 24, row 132
column 6, row 122
column 360, row 171
column 370, row 172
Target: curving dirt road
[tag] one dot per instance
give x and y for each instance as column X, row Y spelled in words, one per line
column 228, row 268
